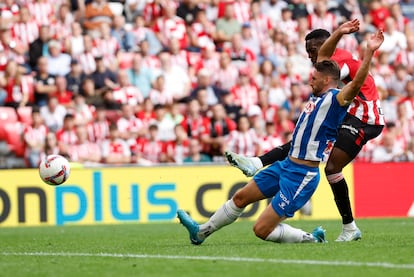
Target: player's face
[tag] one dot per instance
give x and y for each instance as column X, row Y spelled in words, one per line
column 312, row 48
column 317, row 82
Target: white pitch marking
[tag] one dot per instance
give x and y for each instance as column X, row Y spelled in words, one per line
column 213, row 258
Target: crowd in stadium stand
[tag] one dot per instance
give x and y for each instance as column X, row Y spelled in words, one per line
column 161, row 81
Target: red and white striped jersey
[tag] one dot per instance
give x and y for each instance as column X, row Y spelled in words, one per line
column 177, row 151
column 26, row 33
column 245, row 96
column 180, row 59
column 243, row 143
column 366, row 105
column 288, row 27
column 115, row 147
column 131, row 124
column 87, row 62
column 149, row 150
column 151, row 61
column 66, row 137
column 270, row 142
column 170, row 28
column 152, row 11
column 42, row 12
column 406, row 58
column 106, row 47
column 202, row 33
column 327, row 21
column 128, row 95
column 161, row 97
column 36, row 135
column 82, row 152
column 226, row 78
column 98, row 131
column 196, row 127
column 241, row 10
column 260, row 27
column 8, row 12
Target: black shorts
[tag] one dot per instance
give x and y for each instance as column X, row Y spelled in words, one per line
column 353, row 134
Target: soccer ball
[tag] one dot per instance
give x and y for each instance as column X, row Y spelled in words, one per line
column 54, row 170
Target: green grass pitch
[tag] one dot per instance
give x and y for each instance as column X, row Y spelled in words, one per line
column 163, row 249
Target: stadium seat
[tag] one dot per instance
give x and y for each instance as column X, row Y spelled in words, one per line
column 25, row 115
column 7, row 115
column 14, row 139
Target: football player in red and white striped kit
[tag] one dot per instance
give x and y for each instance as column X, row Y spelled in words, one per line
column 364, row 121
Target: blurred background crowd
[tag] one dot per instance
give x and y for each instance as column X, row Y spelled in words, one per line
column 160, row 81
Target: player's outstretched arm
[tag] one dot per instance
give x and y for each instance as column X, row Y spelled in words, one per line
column 348, row 92
column 328, row 47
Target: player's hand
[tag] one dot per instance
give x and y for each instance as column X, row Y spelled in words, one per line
column 349, row 27
column 375, row 41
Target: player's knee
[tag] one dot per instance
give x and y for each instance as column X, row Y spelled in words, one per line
column 331, row 168
column 261, row 231
column 240, row 199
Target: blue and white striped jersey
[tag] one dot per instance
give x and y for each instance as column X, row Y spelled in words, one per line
column 317, row 127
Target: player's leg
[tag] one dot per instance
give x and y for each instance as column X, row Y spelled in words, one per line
column 225, row 215
column 297, row 185
column 352, row 136
column 250, row 165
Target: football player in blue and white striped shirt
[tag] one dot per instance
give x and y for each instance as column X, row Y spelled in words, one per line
column 292, row 182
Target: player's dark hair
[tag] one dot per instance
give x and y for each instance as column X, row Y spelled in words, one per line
column 318, row 34
column 330, row 68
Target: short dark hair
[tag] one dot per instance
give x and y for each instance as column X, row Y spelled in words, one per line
column 318, row 34
column 330, row 68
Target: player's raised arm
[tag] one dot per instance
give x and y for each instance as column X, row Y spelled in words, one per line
column 348, row 92
column 328, row 47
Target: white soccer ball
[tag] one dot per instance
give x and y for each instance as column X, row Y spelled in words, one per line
column 54, row 170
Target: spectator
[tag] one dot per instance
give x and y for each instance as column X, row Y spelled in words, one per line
column 66, row 136
column 62, row 94
column 34, row 137
column 51, row 146
column 125, row 92
column 102, row 77
column 140, row 76
column 178, row 149
column 45, row 83
column 74, row 43
column 387, row 151
column 245, row 92
column 142, row 33
column 179, row 57
column 321, row 18
column 220, row 127
column 149, row 149
column 227, row 26
column 26, row 29
column 202, row 32
column 240, row 56
column 148, row 57
column 264, row 77
column 96, row 13
column 244, row 140
column 84, row 151
column 194, row 153
column 53, row 114
column 98, row 130
column 406, row 56
column 58, row 62
column 170, row 26
column 271, row 138
column 124, row 37
column 107, row 46
column 92, row 96
column 398, row 81
column 273, row 9
column 14, row 86
column 87, row 58
column 83, row 112
column 227, row 74
column 147, row 113
column 408, row 155
column 43, row 11
column 188, row 10
column 164, row 122
column 128, row 125
column 288, row 25
column 260, row 24
column 12, row 48
column 134, row 8
column 176, row 79
column 394, row 40
column 75, row 77
column 40, row 46
column 62, row 28
column 159, row 94
column 115, row 150
column 204, row 82
column 248, row 40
